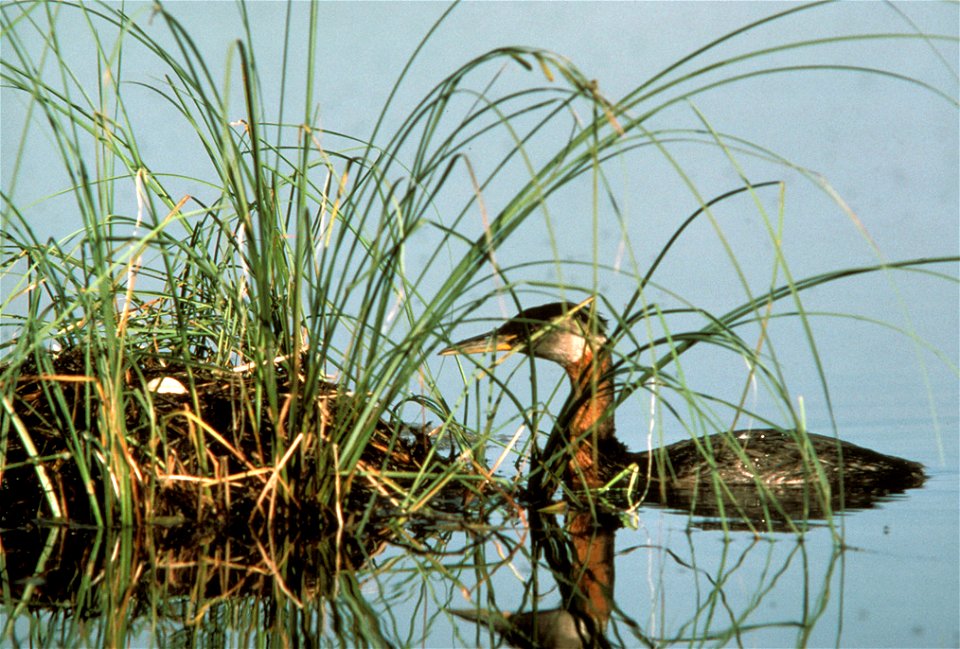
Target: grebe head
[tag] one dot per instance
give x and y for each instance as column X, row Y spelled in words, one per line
column 560, row 332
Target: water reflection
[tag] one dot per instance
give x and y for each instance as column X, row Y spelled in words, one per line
column 155, row 585
column 581, row 559
column 413, row 583
column 580, row 556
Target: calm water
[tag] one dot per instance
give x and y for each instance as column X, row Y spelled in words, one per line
column 893, row 582
column 894, row 585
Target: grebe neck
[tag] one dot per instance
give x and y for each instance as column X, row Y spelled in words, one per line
column 588, row 416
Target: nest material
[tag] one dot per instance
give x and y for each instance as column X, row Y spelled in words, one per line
column 215, row 453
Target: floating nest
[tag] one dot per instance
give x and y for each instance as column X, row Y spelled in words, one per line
column 198, row 445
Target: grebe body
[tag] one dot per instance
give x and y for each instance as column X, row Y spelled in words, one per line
column 574, row 337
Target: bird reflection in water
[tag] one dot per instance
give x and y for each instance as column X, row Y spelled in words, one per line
column 581, row 560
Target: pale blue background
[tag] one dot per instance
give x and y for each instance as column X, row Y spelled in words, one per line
column 889, row 148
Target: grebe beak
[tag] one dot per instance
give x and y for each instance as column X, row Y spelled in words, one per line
column 484, row 343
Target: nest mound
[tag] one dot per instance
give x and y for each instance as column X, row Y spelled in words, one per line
column 198, row 445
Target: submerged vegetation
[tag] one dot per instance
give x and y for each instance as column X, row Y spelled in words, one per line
column 234, row 358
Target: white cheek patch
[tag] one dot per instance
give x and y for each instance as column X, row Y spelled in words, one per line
column 574, row 350
column 561, row 347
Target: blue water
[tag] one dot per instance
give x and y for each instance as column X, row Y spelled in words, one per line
column 892, row 582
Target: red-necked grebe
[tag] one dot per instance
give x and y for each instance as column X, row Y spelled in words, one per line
column 570, row 335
